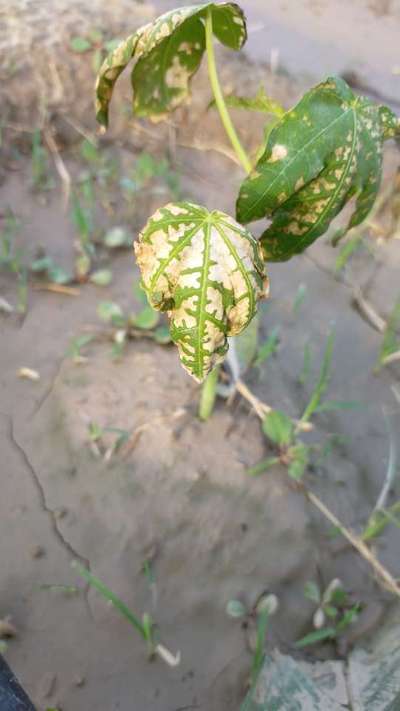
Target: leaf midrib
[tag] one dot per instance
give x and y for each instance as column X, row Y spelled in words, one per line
column 287, row 165
column 201, row 306
column 250, row 291
column 343, row 178
column 177, row 249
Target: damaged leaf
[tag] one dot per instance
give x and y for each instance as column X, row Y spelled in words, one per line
column 167, row 52
column 206, row 271
column 322, row 153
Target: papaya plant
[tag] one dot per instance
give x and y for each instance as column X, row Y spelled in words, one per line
column 206, row 269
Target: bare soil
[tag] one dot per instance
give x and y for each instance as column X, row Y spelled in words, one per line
column 179, row 496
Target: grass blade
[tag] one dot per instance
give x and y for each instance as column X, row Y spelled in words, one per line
column 111, row 597
column 323, row 380
column 268, row 348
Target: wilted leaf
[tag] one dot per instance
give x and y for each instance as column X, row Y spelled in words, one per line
column 278, row 427
column 168, row 52
column 322, row 153
column 205, row 270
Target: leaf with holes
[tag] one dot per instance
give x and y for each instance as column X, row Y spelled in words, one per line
column 322, row 153
column 205, row 270
column 167, row 52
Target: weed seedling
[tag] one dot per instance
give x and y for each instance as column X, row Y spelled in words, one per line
column 391, row 338
column 41, row 177
column 255, row 621
column 333, row 606
column 268, row 348
column 144, row 626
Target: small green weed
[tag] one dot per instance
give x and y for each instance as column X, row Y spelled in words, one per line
column 391, row 337
column 333, row 605
column 42, row 180
column 145, row 626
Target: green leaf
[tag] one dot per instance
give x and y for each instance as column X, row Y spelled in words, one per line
column 246, row 344
column 346, row 252
column 279, row 428
column 76, row 345
column 259, row 653
column 299, row 457
column 317, row 636
column 307, row 358
column 330, row 405
column 162, row 335
column 167, row 52
column 82, row 265
column 80, row 44
column 323, row 380
column 263, row 466
column 312, row 592
column 117, row 237
column 260, row 102
column 109, row 311
column 299, row 298
column 322, row 153
column 235, row 608
column 208, row 395
column 349, row 616
column 101, row 277
column 391, row 340
column 205, row 270
column 58, row 275
column 42, row 264
column 269, row 347
column 112, row 598
column 147, row 318
column 90, row 152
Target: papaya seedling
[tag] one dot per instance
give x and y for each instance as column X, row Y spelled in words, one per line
column 206, row 269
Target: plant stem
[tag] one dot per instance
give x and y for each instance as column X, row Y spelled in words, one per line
column 219, row 98
column 208, row 394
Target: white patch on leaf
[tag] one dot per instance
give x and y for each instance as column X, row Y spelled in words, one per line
column 207, row 271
